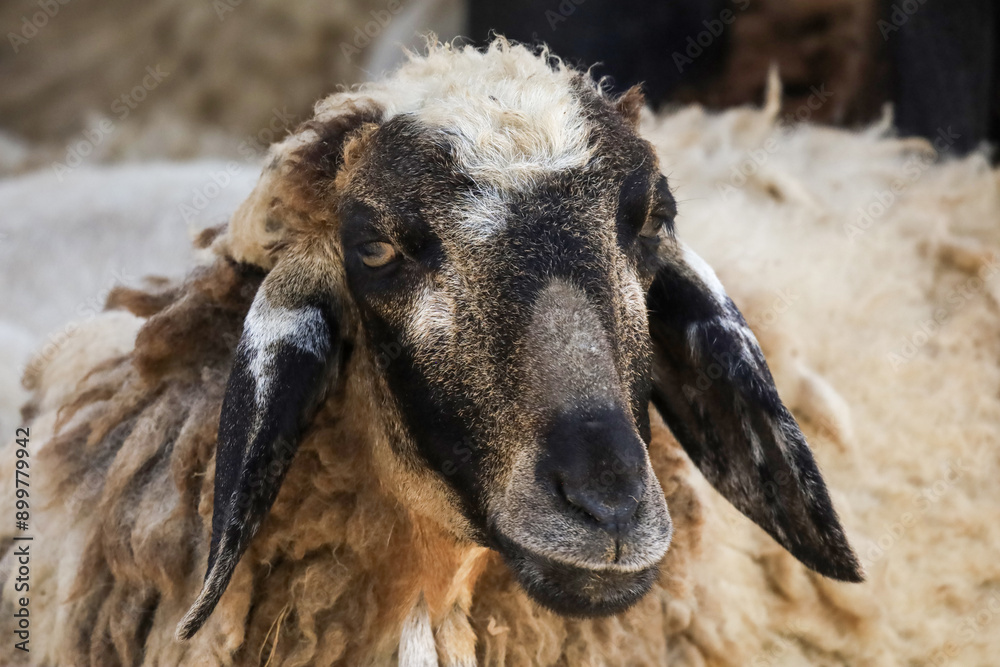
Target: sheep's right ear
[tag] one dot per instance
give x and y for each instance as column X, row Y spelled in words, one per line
column 290, row 346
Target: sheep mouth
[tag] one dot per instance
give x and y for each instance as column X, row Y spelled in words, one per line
column 576, row 590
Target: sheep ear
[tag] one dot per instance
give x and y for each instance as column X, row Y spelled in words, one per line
column 715, row 392
column 630, row 104
column 290, row 345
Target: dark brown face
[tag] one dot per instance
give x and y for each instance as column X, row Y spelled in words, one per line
column 495, row 243
column 521, row 356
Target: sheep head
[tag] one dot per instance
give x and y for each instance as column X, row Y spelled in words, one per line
column 492, row 240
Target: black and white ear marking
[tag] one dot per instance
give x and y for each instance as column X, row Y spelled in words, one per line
column 278, row 377
column 715, row 392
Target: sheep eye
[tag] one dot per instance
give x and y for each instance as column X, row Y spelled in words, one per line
column 664, row 210
column 653, row 227
column 375, row 254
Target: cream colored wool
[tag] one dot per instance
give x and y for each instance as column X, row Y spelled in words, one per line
column 854, row 300
column 904, row 434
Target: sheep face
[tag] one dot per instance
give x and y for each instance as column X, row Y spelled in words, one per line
column 492, row 241
column 510, row 326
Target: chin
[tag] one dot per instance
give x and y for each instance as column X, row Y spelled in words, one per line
column 573, row 590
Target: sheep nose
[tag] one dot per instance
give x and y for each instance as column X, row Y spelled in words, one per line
column 597, row 464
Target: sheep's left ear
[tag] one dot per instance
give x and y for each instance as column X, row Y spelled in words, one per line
column 284, row 363
column 715, row 392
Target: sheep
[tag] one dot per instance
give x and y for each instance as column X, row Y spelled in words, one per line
column 404, row 415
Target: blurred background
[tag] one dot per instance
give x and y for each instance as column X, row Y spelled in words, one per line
column 126, row 127
column 89, row 81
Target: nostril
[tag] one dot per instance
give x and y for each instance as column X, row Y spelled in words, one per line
column 613, row 514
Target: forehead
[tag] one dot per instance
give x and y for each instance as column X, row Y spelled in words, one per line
column 508, row 115
column 499, row 155
column 507, row 133
column 412, row 171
